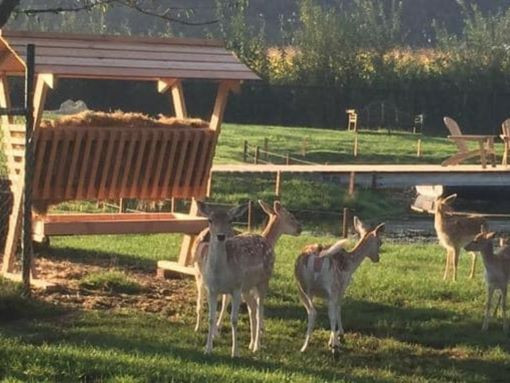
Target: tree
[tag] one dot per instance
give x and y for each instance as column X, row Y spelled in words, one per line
column 161, row 9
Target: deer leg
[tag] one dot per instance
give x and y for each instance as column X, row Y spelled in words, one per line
column 260, row 316
column 490, row 293
column 332, row 313
column 455, row 261
column 473, row 265
column 236, row 301
column 200, row 301
column 503, row 309
column 212, row 300
column 224, row 303
column 340, row 329
column 312, row 314
column 252, row 311
column 447, row 266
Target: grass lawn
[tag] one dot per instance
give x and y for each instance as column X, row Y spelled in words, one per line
column 403, row 323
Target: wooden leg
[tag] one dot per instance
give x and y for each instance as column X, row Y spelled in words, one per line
column 187, row 242
column 504, row 161
column 483, row 159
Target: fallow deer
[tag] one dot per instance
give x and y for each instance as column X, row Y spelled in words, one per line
column 281, row 221
column 327, row 273
column 240, row 265
column 455, row 232
column 497, row 272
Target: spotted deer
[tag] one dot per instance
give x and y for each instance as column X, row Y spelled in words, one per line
column 455, row 232
column 328, row 272
column 281, row 221
column 497, row 272
column 239, row 266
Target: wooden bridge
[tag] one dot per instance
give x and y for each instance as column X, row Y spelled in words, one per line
column 387, row 176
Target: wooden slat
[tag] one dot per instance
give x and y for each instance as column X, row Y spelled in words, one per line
column 201, row 171
column 69, row 192
column 107, row 165
column 189, row 55
column 180, row 164
column 191, row 163
column 149, row 166
column 15, row 153
column 60, row 180
column 170, row 164
column 40, row 148
column 50, row 165
column 124, row 191
column 118, row 159
column 92, row 191
column 138, row 164
column 81, row 190
column 167, row 135
column 17, row 140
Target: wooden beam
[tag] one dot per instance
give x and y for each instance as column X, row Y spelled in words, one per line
column 14, row 232
column 165, row 83
column 5, row 99
column 178, row 100
column 187, row 241
column 221, row 101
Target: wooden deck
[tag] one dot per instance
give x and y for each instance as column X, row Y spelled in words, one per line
column 388, row 176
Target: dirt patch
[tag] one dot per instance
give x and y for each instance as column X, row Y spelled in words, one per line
column 168, row 297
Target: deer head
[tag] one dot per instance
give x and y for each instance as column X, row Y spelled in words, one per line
column 220, row 222
column 442, row 205
column 374, row 241
column 287, row 223
column 482, row 242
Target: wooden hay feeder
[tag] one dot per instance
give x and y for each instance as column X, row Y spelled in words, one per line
column 113, row 162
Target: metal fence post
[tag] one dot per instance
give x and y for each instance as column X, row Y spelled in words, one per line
column 26, row 246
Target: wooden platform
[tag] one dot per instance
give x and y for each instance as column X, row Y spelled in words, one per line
column 128, row 223
column 388, row 176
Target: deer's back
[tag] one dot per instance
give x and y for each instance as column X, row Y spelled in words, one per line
column 457, row 231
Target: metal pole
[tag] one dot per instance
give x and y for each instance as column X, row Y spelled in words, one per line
column 26, row 246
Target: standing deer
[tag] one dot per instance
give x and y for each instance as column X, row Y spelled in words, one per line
column 454, row 233
column 497, row 272
column 240, row 265
column 327, row 273
column 281, row 221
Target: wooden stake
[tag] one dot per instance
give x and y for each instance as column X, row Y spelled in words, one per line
column 245, row 151
column 122, row 205
column 304, row 147
column 355, row 151
column 278, row 186
column 266, row 148
column 352, row 179
column 345, row 223
column 257, row 154
column 250, row 214
column 287, row 159
column 172, row 205
column 418, row 148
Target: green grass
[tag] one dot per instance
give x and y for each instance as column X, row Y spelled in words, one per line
column 403, row 323
column 113, row 281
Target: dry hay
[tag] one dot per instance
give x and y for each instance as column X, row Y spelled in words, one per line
column 121, row 119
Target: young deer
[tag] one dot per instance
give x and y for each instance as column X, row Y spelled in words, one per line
column 454, row 233
column 280, row 222
column 327, row 273
column 497, row 272
column 240, row 265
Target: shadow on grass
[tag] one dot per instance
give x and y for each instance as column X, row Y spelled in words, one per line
column 429, row 327
column 99, row 258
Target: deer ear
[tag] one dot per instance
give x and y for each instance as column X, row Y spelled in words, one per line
column 490, row 235
column 266, row 207
column 379, row 229
column 277, row 206
column 359, row 226
column 237, row 211
column 203, row 209
column 450, row 198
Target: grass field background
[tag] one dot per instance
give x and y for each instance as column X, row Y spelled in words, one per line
column 403, row 323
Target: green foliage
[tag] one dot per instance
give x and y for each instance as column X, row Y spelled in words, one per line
column 114, row 281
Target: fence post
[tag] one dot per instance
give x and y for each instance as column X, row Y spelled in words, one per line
column 266, row 148
column 257, row 154
column 250, row 214
column 287, row 159
column 352, row 181
column 304, row 146
column 245, row 151
column 26, row 243
column 278, row 186
column 345, row 223
column 418, row 148
column 172, row 205
column 122, row 205
column 355, row 151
